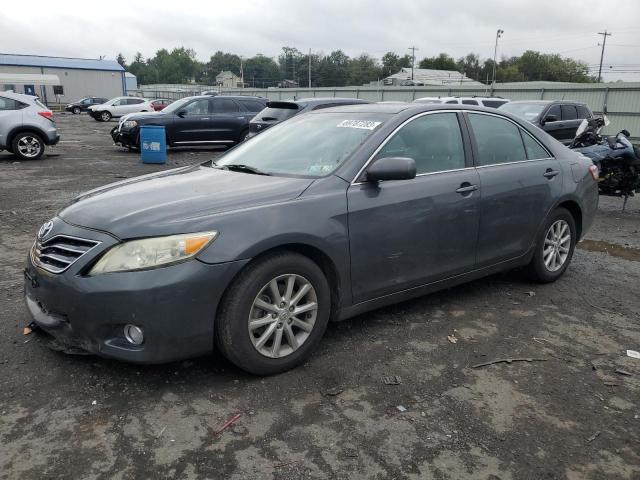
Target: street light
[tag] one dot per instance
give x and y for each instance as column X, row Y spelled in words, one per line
column 495, row 55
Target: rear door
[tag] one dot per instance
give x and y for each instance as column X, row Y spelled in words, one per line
column 132, row 105
column 520, row 182
column 228, row 120
column 408, row 233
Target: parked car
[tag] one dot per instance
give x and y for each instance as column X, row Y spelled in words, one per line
column 119, row 106
column 26, row 126
column 559, row 118
column 212, row 93
column 200, row 120
column 493, row 102
column 279, row 111
column 325, row 216
column 411, row 83
column 160, row 104
column 83, row 104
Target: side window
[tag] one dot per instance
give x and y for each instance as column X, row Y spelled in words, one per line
column 197, row 107
column 569, row 112
column 434, row 141
column 251, row 105
column 8, row 104
column 469, row 102
column 555, row 111
column 134, row 101
column 493, row 103
column 117, row 103
column 583, row 112
column 498, row 140
column 533, row 148
column 452, row 101
column 224, row 105
column 86, row 101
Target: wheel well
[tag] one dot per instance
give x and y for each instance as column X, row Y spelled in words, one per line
column 323, row 261
column 576, row 213
column 18, row 131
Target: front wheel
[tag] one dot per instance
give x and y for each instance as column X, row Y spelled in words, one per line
column 274, row 314
column 76, row 110
column 554, row 247
column 105, row 116
column 27, row 146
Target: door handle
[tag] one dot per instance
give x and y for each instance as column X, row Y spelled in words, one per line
column 549, row 174
column 206, row 118
column 466, row 188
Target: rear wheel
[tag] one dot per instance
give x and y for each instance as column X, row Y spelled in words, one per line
column 27, row 146
column 554, row 247
column 274, row 314
column 105, row 116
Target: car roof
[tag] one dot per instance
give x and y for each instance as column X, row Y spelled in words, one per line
column 19, row 96
column 373, row 108
column 321, row 100
column 547, row 102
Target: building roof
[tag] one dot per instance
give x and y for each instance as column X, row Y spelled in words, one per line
column 60, row 62
column 436, row 77
column 226, row 73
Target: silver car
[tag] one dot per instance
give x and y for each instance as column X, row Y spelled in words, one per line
column 26, row 126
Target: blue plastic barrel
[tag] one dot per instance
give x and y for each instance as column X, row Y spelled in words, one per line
column 153, row 144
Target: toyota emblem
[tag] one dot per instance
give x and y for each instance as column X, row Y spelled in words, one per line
column 45, row 229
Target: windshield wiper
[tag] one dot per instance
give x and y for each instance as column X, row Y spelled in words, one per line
column 242, row 168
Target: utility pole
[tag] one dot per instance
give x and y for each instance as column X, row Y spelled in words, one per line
column 241, row 73
column 413, row 58
column 309, row 68
column 604, row 34
column 495, row 57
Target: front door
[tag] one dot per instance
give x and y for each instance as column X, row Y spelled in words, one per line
column 194, row 124
column 520, row 182
column 408, row 233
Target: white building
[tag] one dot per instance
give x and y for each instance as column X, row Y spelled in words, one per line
column 79, row 77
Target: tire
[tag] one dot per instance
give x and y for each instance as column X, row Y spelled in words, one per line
column 105, row 116
column 27, row 146
column 241, row 345
column 553, row 255
column 243, row 136
column 76, row 110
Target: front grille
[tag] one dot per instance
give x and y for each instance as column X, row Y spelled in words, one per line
column 60, row 252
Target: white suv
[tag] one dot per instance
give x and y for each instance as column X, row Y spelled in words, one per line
column 493, row 102
column 119, row 106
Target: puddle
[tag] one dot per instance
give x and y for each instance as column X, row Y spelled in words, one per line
column 627, row 253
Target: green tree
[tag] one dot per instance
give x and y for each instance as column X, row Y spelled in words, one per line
column 333, row 69
column 364, row 69
column 221, row 62
column 261, row 71
column 441, row 62
column 392, row 63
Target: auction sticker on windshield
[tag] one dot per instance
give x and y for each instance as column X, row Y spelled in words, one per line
column 364, row 124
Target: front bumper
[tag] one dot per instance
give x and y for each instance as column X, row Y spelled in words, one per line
column 175, row 306
column 126, row 138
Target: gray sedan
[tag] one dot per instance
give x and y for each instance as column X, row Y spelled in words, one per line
column 323, row 217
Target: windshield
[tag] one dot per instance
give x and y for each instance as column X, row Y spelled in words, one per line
column 177, row 105
column 528, row 111
column 310, row 145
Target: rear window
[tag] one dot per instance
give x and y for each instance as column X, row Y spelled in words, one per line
column 271, row 113
column 493, row 103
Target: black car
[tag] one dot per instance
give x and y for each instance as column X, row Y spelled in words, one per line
column 83, row 104
column 199, row 120
column 278, row 111
column 560, row 118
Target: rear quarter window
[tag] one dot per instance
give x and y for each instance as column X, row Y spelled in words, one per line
column 493, row 103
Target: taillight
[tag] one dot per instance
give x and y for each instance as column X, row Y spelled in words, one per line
column 595, row 174
column 48, row 114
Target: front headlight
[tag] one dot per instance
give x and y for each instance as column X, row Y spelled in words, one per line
column 152, row 252
column 129, row 124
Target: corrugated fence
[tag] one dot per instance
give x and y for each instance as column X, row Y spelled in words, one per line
column 620, row 101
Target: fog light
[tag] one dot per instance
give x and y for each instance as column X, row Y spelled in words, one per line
column 133, row 334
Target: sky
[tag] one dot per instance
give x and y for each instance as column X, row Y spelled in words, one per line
column 90, row 29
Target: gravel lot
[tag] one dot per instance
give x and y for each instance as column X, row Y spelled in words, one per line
column 568, row 417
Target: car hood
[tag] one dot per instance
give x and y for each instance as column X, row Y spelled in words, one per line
column 141, row 116
column 176, row 201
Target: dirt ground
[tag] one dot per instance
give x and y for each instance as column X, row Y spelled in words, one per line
column 570, row 416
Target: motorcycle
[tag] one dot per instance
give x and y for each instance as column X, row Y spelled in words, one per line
column 617, row 159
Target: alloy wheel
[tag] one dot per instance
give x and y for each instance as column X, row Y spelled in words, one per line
column 282, row 315
column 106, row 116
column 557, row 244
column 29, row 146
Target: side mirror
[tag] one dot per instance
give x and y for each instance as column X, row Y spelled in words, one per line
column 549, row 118
column 182, row 113
column 392, row 168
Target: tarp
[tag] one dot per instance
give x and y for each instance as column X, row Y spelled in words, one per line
column 28, row 79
